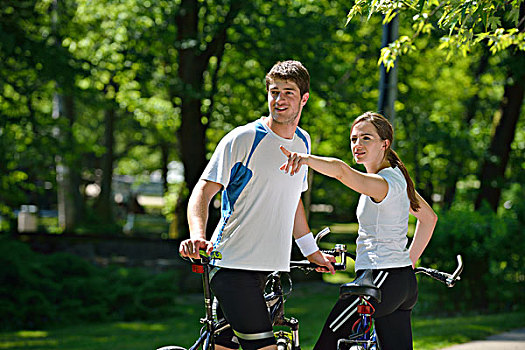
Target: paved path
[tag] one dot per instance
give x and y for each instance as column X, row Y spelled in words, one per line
column 513, row 340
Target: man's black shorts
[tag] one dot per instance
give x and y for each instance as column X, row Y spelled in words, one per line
column 241, row 299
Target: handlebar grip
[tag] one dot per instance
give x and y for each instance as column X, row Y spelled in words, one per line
column 203, row 260
column 437, row 275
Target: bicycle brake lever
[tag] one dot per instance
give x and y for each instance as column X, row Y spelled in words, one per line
column 451, row 281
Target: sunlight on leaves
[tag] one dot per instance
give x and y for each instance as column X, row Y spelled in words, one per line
column 32, row 334
column 140, row 326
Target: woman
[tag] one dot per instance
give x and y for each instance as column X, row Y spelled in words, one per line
column 387, row 198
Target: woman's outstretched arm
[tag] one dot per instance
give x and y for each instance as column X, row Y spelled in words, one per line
column 371, row 185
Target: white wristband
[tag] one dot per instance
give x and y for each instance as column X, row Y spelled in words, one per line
column 307, row 244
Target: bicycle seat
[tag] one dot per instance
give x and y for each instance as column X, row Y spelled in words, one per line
column 361, row 286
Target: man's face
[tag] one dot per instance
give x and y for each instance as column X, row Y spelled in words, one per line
column 285, row 102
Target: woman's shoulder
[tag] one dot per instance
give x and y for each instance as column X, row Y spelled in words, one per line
column 390, row 171
column 393, row 176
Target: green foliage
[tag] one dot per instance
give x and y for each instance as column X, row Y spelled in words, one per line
column 92, row 223
column 462, row 24
column 331, row 191
column 124, row 55
column 491, row 247
column 41, row 290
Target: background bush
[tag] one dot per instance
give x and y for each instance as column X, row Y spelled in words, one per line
column 40, row 290
column 492, row 249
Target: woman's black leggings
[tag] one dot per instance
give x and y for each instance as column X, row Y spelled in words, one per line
column 392, row 316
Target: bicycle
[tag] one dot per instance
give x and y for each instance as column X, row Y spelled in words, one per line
column 363, row 336
column 274, row 296
column 363, row 287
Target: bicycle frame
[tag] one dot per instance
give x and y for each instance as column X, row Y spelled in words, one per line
column 206, row 338
column 362, row 336
column 275, row 300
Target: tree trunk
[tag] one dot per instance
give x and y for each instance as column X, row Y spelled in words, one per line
column 193, row 62
column 104, row 203
column 165, row 153
column 455, row 170
column 68, row 172
column 68, row 177
column 388, row 79
column 493, row 171
column 75, row 165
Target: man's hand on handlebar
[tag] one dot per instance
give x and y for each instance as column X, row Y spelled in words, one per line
column 324, row 260
column 189, row 248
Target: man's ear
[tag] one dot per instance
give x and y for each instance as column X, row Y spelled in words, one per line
column 305, row 98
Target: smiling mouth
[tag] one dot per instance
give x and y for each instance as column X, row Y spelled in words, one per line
column 280, row 109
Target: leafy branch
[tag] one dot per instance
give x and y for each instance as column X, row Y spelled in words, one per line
column 466, row 22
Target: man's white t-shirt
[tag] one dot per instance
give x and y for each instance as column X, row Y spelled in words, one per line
column 259, row 200
column 382, row 236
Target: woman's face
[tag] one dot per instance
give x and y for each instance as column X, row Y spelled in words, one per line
column 367, row 147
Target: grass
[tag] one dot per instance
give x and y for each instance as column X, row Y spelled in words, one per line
column 442, row 332
column 115, row 336
column 310, row 303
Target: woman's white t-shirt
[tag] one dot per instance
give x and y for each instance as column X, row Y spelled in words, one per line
column 382, row 236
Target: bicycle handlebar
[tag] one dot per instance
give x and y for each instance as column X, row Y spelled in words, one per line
column 448, row 279
column 340, row 251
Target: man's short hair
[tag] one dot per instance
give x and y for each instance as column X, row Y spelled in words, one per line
column 290, row 70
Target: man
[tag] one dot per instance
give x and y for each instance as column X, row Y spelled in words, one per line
column 261, row 208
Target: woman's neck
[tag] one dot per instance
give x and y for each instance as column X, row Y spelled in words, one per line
column 375, row 168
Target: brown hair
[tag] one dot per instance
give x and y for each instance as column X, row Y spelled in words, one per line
column 290, row 70
column 386, row 132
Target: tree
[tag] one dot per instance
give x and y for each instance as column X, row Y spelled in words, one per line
column 506, row 120
column 199, row 38
column 138, row 65
column 462, row 24
column 465, row 25
column 68, row 176
column 30, row 62
column 341, row 65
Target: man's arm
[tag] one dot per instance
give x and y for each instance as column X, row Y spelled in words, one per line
column 300, row 225
column 198, row 205
column 301, row 229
